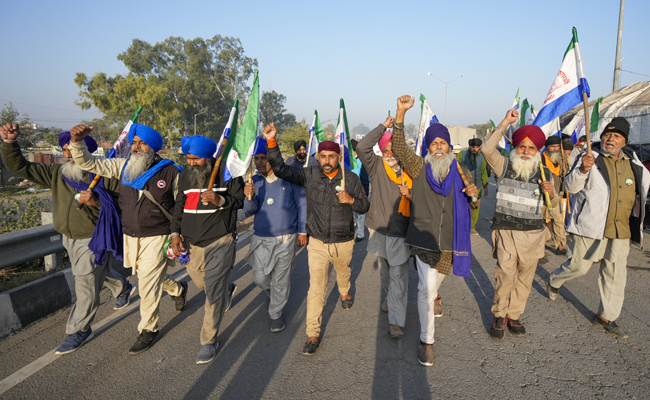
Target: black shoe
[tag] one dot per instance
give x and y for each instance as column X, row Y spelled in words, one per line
column 181, row 299
column 145, row 340
column 516, row 327
column 498, row 329
column 610, row 327
column 310, row 348
column 347, row 304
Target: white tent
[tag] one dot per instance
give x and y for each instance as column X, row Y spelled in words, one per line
column 460, row 135
column 631, row 102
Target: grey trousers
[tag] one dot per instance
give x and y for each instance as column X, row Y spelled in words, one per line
column 209, row 268
column 89, row 279
column 395, row 281
column 612, row 254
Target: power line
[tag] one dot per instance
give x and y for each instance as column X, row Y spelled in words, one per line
column 636, row 73
column 36, row 105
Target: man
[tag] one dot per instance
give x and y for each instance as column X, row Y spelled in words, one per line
column 90, row 234
column 204, row 222
column 330, row 204
column 360, row 171
column 567, row 148
column 280, row 210
column 299, row 160
column 518, row 229
column 552, row 159
column 579, row 148
column 473, row 159
column 148, row 186
column 610, row 187
column 388, row 221
column 440, row 223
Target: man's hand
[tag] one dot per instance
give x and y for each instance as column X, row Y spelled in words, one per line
column 9, row 132
column 389, row 122
column 485, row 189
column 405, row 102
column 587, row 163
column 404, row 191
column 78, row 133
column 88, row 198
column 302, row 239
column 547, row 187
column 209, row 196
column 344, row 197
column 270, row 131
column 511, row 117
column 177, row 246
column 249, row 189
column 471, row 190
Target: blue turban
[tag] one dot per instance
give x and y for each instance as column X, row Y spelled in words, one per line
column 148, row 135
column 64, row 138
column 260, row 146
column 199, row 146
column 436, row 131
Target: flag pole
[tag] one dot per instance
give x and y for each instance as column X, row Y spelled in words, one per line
column 250, row 179
column 546, row 196
column 311, row 139
column 585, row 103
column 215, row 169
column 462, row 176
column 342, row 166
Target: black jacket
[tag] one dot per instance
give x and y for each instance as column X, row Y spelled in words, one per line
column 327, row 220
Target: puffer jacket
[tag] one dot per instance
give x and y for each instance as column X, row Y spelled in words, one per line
column 592, row 192
column 327, row 220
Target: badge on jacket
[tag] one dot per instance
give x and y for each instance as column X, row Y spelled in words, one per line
column 337, row 188
column 629, row 182
column 269, row 201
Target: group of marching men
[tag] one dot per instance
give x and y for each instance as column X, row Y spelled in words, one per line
column 423, row 206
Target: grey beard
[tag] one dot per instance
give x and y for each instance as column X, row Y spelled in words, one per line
column 523, row 168
column 439, row 165
column 393, row 163
column 72, row 171
column 200, row 176
column 555, row 156
column 138, row 164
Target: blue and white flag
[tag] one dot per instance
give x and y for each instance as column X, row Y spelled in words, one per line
column 566, row 92
column 228, row 130
column 342, row 138
column 427, row 118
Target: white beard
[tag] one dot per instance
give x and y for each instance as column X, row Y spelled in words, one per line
column 137, row 165
column 524, row 168
column 439, row 165
column 555, row 156
column 72, row 171
column 393, row 163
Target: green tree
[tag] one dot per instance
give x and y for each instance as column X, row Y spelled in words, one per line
column 291, row 134
column 173, row 80
column 272, row 110
column 28, row 135
column 330, row 131
column 482, row 129
column 411, row 130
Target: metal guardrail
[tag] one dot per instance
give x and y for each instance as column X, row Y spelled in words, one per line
column 28, row 244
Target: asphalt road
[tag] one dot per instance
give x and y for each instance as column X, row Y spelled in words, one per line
column 563, row 355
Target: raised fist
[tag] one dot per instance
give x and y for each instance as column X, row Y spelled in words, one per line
column 405, row 102
column 389, row 122
column 511, row 117
column 9, row 132
column 270, row 131
column 78, row 133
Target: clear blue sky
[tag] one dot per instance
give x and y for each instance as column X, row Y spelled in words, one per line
column 368, row 52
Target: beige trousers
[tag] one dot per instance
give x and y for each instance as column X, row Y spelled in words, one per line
column 147, row 260
column 320, row 256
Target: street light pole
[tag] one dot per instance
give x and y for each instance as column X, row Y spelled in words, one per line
column 446, row 83
column 202, row 112
column 619, row 39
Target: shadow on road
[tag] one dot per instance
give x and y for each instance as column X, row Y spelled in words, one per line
column 566, row 293
column 481, row 287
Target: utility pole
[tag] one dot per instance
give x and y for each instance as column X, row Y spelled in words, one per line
column 617, row 65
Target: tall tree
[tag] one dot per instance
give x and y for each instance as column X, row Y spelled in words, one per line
column 272, row 110
column 174, row 80
column 291, row 134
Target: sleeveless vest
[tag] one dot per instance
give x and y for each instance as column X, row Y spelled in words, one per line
column 519, row 203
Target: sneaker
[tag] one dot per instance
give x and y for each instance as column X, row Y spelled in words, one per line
column 610, row 327
column 474, row 232
column 181, row 299
column 231, row 293
column 384, row 306
column 437, row 307
column 207, row 353
column 347, row 304
column 310, row 348
column 552, row 292
column 145, row 340
column 74, row 341
column 516, row 327
column 395, row 331
column 124, row 299
column 277, row 325
column 498, row 329
column 425, row 354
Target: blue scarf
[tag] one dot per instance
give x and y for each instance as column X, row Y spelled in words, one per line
column 139, row 182
column 107, row 235
column 462, row 255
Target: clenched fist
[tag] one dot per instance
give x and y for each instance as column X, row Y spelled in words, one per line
column 511, row 117
column 270, row 131
column 249, row 189
column 9, row 132
column 78, row 133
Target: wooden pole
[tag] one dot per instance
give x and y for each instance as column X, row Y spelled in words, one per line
column 215, row 170
column 90, row 187
column 546, row 196
column 250, row 179
column 585, row 103
column 462, row 176
column 342, row 166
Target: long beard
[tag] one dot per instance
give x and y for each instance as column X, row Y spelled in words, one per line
column 439, row 165
column 301, row 156
column 523, row 168
column 200, row 175
column 72, row 171
column 555, row 156
column 138, row 164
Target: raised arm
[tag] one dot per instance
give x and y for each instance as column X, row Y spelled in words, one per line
column 364, row 148
column 412, row 162
column 283, row 171
column 109, row 168
column 489, row 149
column 16, row 162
